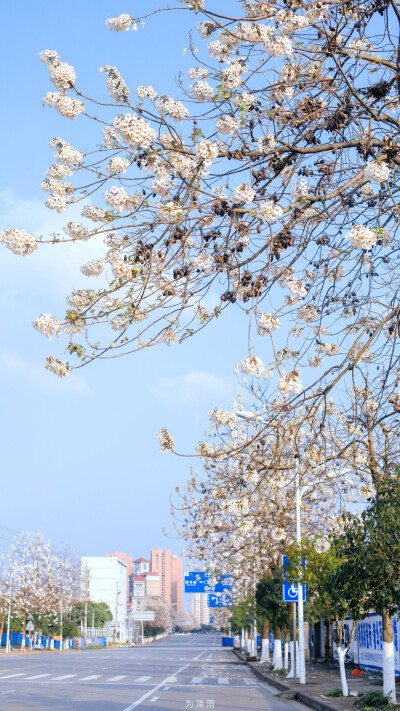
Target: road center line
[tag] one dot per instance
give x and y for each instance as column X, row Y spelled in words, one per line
column 153, row 691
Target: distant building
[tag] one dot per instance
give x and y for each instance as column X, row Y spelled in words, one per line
column 107, row 583
column 140, row 566
column 129, row 563
column 137, row 587
column 152, row 583
column 199, row 608
column 169, row 568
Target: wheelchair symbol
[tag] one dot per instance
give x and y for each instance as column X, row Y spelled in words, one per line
column 292, row 591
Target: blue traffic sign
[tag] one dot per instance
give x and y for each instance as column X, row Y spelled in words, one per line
column 205, row 582
column 290, row 592
column 218, row 600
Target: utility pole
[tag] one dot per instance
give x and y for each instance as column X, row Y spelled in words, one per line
column 116, row 613
column 61, row 626
column 8, row 645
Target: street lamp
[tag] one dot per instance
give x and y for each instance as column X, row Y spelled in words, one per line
column 299, row 495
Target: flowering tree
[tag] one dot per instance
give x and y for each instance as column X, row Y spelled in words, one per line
column 40, row 579
column 275, row 167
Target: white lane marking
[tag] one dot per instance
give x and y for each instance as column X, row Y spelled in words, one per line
column 197, row 680
column 2, row 693
column 166, row 688
column 155, row 698
column 9, row 676
column 117, row 678
column 223, row 680
column 89, row 678
column 171, row 679
column 199, row 655
column 142, row 678
column 37, row 676
column 153, row 691
column 66, row 676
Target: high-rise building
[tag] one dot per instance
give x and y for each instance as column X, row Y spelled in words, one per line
column 176, row 583
column 107, row 583
column 169, row 568
column 200, row 610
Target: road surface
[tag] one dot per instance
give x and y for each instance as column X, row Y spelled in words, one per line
column 174, row 674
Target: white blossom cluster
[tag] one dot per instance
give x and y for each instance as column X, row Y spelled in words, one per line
column 222, row 417
column 134, row 131
column 121, row 23
column 117, row 165
column 290, row 383
column 116, row 86
column 267, row 323
column 61, row 74
column 47, row 324
column 19, row 241
column 93, row 268
column 252, row 365
column 146, row 91
column 227, row 125
column 243, row 193
column 270, row 211
column 377, row 171
column 57, row 367
column 65, row 105
column 204, row 262
column 202, row 91
column 166, row 106
column 361, row 237
column 65, row 154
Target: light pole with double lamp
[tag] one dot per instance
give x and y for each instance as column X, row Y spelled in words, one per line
column 299, row 495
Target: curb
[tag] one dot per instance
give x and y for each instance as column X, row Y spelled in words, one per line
column 299, row 695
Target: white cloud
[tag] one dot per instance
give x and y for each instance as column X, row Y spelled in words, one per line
column 192, row 390
column 34, row 375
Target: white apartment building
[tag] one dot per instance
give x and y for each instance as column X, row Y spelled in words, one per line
column 199, row 608
column 108, row 583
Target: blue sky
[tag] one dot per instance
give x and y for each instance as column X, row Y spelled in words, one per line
column 80, row 457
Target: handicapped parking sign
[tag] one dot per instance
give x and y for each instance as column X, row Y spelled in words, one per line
column 290, row 592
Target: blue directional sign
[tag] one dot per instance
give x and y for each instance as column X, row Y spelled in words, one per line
column 205, row 582
column 290, row 592
column 219, row 600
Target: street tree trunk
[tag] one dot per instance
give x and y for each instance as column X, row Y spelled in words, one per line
column 265, row 642
column 389, row 679
column 286, row 658
column 277, row 661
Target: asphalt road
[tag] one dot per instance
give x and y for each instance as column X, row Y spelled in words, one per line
column 175, row 674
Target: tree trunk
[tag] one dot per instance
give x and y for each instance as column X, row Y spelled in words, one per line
column 286, row 659
column 23, row 633
column 277, row 661
column 389, row 679
column 265, row 642
column 341, row 655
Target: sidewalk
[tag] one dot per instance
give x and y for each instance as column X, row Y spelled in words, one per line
column 320, row 678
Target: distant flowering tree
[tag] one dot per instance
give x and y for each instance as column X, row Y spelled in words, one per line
column 40, row 579
column 271, row 179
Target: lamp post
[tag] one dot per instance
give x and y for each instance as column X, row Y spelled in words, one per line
column 299, row 495
column 8, row 649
